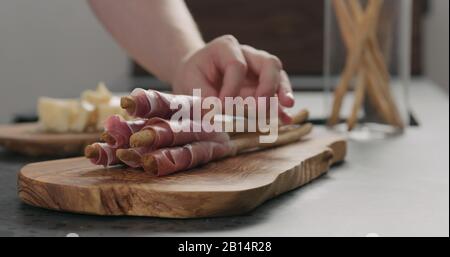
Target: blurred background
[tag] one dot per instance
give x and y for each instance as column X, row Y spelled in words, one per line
column 57, row 48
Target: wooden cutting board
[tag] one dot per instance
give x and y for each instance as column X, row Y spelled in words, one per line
column 227, row 187
column 28, row 140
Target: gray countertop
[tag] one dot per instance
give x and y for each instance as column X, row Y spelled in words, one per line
column 395, row 187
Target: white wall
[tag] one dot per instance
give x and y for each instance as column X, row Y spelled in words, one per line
column 54, row 48
column 436, row 43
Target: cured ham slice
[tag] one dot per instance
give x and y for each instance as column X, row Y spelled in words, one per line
column 162, row 146
column 118, row 131
column 166, row 161
column 165, row 137
column 159, row 133
column 150, row 103
column 101, row 154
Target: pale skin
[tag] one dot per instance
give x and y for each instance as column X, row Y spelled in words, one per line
column 162, row 36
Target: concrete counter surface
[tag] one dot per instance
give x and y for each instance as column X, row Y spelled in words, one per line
column 394, row 187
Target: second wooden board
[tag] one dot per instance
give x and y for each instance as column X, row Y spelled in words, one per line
column 227, row 187
column 27, row 139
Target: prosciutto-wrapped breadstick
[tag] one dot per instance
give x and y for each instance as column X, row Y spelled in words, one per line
column 150, row 103
column 177, row 158
column 166, row 161
column 101, row 154
column 159, row 133
column 296, row 118
column 132, row 157
column 170, row 160
column 300, row 117
column 118, row 131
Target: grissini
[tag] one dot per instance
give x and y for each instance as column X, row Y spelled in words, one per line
column 377, row 65
column 107, row 138
column 128, row 103
column 164, row 133
column 300, row 117
column 374, row 49
column 360, row 89
column 354, row 56
column 101, row 154
column 151, row 103
column 184, row 158
column 90, row 151
column 294, row 134
column 132, row 156
column 118, row 131
column 374, row 78
column 149, row 135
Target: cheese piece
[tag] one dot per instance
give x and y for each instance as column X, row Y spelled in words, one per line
column 100, row 96
column 104, row 111
column 81, row 116
column 55, row 114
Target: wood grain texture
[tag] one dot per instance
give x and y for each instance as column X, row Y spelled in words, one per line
column 28, row 140
column 228, row 187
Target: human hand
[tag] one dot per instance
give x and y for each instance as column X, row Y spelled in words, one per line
column 224, row 68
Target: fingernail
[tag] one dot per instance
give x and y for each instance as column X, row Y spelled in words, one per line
column 290, row 95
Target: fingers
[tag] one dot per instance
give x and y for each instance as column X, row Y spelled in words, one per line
column 232, row 80
column 284, row 117
column 230, row 59
column 272, row 79
column 267, row 67
column 194, row 79
column 207, row 89
column 269, row 79
column 285, row 91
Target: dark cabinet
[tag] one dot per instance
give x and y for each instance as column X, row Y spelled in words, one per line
column 290, row 29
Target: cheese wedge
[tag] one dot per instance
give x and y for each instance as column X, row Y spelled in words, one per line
column 86, row 114
column 55, row 114
column 100, row 96
column 81, row 116
column 104, row 111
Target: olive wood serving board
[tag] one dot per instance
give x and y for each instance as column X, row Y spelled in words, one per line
column 228, row 187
